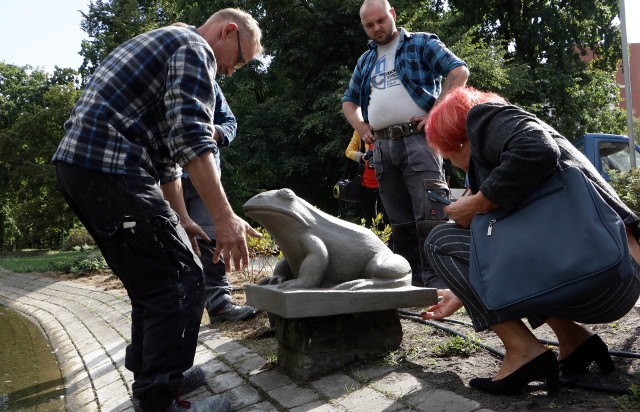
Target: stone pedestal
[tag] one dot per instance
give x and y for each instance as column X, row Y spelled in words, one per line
column 317, row 346
column 320, row 331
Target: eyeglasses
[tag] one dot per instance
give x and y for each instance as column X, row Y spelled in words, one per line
column 240, row 58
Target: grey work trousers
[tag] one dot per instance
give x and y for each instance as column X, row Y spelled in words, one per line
column 217, row 289
column 405, row 168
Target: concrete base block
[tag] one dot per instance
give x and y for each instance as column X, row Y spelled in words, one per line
column 303, row 303
column 317, row 346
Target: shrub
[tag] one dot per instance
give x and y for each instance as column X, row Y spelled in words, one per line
column 383, row 234
column 262, row 246
column 78, row 239
column 81, row 265
column 627, row 185
column 263, row 255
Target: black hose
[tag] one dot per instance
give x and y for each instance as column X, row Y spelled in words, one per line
column 616, row 353
column 568, row 382
column 491, row 350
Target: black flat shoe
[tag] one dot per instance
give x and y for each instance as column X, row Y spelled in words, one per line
column 592, row 350
column 544, row 367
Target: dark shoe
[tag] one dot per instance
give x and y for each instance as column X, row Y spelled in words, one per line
column 232, row 312
column 217, row 403
column 592, row 350
column 192, row 380
column 541, row 368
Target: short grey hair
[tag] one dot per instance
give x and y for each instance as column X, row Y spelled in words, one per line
column 248, row 25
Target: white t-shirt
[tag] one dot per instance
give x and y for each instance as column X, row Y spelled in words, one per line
column 390, row 102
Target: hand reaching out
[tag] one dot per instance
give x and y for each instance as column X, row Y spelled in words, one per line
column 231, row 242
column 447, row 306
column 193, row 230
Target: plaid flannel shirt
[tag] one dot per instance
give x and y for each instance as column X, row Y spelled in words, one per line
column 148, row 107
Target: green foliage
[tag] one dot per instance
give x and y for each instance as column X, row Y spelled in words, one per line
column 291, row 130
column 262, row 252
column 262, row 246
column 627, row 185
column 630, row 401
column 546, row 43
column 33, row 212
column 457, row 346
column 110, row 23
column 41, row 261
column 81, row 265
column 383, row 232
column 78, row 237
column 636, row 129
column 600, row 90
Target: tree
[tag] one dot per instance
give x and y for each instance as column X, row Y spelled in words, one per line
column 110, row 23
column 291, row 131
column 549, row 41
column 32, row 211
column 21, row 91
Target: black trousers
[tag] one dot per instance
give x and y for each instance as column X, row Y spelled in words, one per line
column 142, row 241
column 371, row 205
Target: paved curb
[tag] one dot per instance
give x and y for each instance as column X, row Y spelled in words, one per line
column 89, row 328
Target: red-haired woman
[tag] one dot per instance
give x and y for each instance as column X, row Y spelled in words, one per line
column 506, row 152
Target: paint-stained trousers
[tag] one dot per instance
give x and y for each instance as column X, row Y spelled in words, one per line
column 142, row 241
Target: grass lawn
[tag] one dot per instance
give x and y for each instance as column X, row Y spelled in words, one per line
column 41, row 260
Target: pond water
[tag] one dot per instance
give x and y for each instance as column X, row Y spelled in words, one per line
column 30, row 378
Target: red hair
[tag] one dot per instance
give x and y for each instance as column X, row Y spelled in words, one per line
column 446, row 128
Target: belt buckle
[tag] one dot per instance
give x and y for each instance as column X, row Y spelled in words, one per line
column 393, row 128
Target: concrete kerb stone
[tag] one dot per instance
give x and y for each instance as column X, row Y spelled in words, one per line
column 89, row 329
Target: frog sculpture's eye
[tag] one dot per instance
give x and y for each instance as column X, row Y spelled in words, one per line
column 286, row 193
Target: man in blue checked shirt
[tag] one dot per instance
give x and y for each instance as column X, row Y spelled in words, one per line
column 147, row 111
column 218, row 302
column 394, row 85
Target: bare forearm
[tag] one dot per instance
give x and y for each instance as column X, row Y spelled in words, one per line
column 173, row 194
column 456, row 78
column 353, row 114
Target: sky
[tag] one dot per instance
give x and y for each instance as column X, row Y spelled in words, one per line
column 46, row 33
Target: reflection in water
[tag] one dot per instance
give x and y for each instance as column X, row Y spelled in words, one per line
column 30, row 378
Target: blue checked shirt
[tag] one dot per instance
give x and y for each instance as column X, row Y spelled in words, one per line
column 148, row 107
column 421, row 62
column 224, row 122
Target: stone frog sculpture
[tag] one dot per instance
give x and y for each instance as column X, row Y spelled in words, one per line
column 321, row 250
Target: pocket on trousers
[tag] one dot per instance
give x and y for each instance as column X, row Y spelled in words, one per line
column 177, row 248
column 434, row 209
column 130, row 246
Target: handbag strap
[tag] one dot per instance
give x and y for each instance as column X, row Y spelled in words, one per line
column 360, row 171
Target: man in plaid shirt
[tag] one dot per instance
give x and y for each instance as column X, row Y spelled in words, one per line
column 394, row 85
column 147, row 111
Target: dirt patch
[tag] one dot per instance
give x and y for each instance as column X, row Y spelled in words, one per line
column 448, row 362
column 105, row 280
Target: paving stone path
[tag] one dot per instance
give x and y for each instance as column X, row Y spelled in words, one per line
column 89, row 329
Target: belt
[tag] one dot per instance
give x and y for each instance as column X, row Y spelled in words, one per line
column 396, row 131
